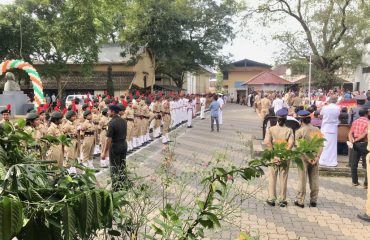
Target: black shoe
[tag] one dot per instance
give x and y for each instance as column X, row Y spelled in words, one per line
column 283, row 203
column 190, row 126
column 355, row 184
column 364, row 217
column 298, row 204
column 271, row 203
column 313, row 204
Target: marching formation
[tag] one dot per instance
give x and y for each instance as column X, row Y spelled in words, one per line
column 85, row 121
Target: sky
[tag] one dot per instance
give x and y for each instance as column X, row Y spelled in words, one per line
column 247, row 44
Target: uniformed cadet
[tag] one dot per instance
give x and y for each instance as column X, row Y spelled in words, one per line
column 265, row 106
column 310, row 166
column 55, row 152
column 6, row 114
column 276, row 134
column 117, row 147
column 366, row 216
column 70, row 130
column 166, row 117
column 130, row 118
column 146, row 120
column 103, row 126
column 88, row 134
column 32, row 125
column 137, row 122
column 189, row 109
column 297, row 101
column 158, row 118
column 257, row 103
column 96, row 119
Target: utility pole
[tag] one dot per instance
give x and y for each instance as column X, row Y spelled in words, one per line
column 309, row 80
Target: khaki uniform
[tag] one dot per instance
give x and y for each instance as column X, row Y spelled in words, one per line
column 257, row 103
column 157, row 110
column 88, row 132
column 276, row 134
column 312, row 171
column 130, row 118
column 34, row 132
column 166, row 116
column 55, row 152
column 296, row 102
column 265, row 105
column 146, row 116
column 103, row 126
column 70, row 129
column 137, row 121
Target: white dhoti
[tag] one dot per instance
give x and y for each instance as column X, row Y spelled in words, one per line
column 189, row 117
column 202, row 110
column 329, row 154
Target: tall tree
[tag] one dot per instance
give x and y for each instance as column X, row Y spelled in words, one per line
column 179, row 34
column 332, row 31
column 68, row 31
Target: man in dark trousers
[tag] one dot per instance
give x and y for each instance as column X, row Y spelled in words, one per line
column 116, row 143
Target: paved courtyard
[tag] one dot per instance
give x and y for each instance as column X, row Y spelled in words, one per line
column 196, row 148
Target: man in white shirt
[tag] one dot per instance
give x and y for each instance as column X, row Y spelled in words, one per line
column 278, row 103
column 329, row 128
column 221, row 102
column 202, row 106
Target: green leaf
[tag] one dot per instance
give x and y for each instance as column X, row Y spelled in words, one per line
column 21, row 123
column 11, row 218
column 84, row 212
column 213, row 218
column 68, row 223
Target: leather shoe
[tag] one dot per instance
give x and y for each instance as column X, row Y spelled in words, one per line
column 283, row 203
column 271, row 203
column 298, row 204
column 364, row 217
column 313, row 204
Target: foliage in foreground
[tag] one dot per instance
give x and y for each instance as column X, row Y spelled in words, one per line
column 38, row 199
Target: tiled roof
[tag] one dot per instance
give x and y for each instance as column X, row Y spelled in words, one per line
column 267, row 77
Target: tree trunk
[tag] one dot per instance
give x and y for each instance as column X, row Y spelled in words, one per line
column 59, row 87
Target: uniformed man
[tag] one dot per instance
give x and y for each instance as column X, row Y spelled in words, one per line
column 310, row 166
column 275, row 134
column 265, row 106
column 116, row 144
column 130, row 118
column 6, row 114
column 257, row 103
column 146, row 120
column 55, row 152
column 96, row 119
column 88, row 143
column 137, row 121
column 103, row 126
column 71, row 152
column 166, row 117
column 158, row 118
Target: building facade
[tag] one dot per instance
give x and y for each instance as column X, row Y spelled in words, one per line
column 198, row 83
column 237, row 73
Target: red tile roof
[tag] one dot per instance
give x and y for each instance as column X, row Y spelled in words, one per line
column 267, row 77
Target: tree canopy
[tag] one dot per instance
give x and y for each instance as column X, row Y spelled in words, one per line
column 181, row 35
column 332, row 31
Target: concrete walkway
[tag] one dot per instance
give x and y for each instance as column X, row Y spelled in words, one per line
column 196, row 148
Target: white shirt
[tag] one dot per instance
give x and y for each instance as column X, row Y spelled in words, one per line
column 330, row 118
column 278, row 104
column 221, row 102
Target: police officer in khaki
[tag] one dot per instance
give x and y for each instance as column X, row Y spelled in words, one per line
column 56, row 150
column 88, row 143
column 103, row 126
column 310, row 166
column 70, row 129
column 265, row 105
column 276, row 134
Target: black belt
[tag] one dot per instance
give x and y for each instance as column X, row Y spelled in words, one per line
column 89, row 133
column 157, row 112
column 104, row 128
column 146, row 117
column 167, row 113
column 129, row 119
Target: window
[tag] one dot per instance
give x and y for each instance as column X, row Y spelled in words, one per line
column 225, row 75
